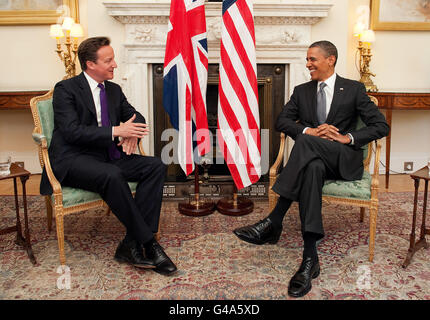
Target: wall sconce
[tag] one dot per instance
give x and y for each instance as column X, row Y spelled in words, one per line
column 72, row 31
column 365, row 38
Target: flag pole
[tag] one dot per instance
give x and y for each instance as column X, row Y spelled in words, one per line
column 195, row 206
column 236, row 205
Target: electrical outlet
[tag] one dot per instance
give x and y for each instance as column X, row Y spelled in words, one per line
column 408, row 166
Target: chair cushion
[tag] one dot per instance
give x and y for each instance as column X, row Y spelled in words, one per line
column 75, row 196
column 46, row 117
column 357, row 189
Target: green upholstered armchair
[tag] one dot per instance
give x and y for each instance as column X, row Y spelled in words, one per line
column 362, row 193
column 64, row 200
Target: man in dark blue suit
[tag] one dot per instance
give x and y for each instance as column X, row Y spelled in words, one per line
column 95, row 134
column 321, row 117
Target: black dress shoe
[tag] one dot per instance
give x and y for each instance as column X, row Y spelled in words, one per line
column 132, row 253
column 262, row 232
column 163, row 264
column 300, row 283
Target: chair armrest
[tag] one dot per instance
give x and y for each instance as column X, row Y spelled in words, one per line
column 40, row 140
column 140, row 146
column 279, row 159
column 375, row 175
column 274, row 172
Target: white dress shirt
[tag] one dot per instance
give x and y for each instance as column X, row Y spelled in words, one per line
column 95, row 90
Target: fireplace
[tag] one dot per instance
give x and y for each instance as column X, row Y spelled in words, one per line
column 282, row 33
column 271, row 86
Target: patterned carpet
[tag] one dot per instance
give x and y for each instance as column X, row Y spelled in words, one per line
column 212, row 262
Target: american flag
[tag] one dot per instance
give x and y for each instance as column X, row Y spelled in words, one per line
column 238, row 115
column 185, row 78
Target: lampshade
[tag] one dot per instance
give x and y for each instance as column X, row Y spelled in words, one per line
column 68, row 23
column 76, row 31
column 368, row 36
column 358, row 29
column 56, row 31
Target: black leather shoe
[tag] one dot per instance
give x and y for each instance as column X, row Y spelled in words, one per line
column 163, row 264
column 300, row 283
column 260, row 233
column 132, row 253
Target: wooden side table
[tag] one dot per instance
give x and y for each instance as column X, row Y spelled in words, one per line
column 19, row 172
column 398, row 101
column 424, row 174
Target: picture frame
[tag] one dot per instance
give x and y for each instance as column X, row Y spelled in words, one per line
column 395, row 15
column 35, row 16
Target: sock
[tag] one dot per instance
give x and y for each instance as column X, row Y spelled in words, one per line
column 149, row 243
column 310, row 246
column 278, row 213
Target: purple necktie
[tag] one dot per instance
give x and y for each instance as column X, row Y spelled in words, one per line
column 113, row 151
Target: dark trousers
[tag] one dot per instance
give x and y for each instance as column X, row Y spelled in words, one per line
column 311, row 162
column 139, row 215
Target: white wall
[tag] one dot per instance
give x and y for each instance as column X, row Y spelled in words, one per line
column 29, row 62
column 401, row 64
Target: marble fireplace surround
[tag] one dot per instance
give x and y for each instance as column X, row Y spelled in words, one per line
column 283, row 33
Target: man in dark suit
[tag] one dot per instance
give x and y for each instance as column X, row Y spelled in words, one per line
column 321, row 117
column 90, row 115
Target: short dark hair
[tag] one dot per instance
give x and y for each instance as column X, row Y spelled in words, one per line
column 326, row 46
column 88, row 48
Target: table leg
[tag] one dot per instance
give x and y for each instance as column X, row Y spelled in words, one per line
column 27, row 232
column 411, row 249
column 388, row 149
column 19, row 237
column 422, row 242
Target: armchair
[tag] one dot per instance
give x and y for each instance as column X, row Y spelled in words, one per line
column 362, row 193
column 64, row 200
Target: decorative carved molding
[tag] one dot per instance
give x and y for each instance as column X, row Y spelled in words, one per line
column 302, row 12
column 143, row 33
column 286, row 20
column 412, row 102
column 139, row 19
column 18, row 100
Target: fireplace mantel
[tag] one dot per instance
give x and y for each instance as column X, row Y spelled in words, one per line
column 283, row 34
column 280, row 26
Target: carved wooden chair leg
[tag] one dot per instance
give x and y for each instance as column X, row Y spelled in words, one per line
column 60, row 237
column 372, row 233
column 362, row 211
column 49, row 216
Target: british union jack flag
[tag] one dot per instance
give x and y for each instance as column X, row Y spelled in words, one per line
column 185, row 78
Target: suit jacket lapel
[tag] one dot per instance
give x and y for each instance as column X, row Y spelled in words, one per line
column 87, row 94
column 338, row 95
column 110, row 101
